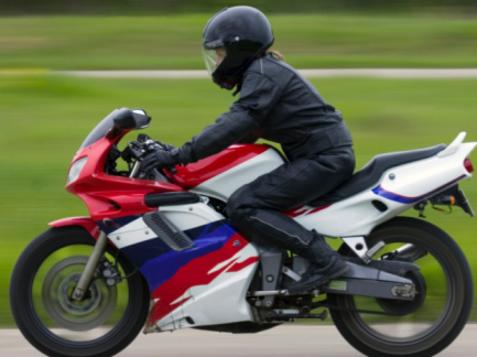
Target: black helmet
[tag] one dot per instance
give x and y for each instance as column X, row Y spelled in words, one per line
column 244, row 33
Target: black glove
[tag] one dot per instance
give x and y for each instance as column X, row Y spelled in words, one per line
column 159, row 158
column 167, row 147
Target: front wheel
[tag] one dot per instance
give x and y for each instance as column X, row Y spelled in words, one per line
column 104, row 322
column 429, row 323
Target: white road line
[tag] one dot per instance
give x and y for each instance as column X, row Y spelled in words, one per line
column 309, row 73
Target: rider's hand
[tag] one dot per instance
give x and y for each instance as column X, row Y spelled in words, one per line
column 158, row 158
column 167, row 147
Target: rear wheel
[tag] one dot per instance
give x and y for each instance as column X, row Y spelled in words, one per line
column 422, row 327
column 109, row 317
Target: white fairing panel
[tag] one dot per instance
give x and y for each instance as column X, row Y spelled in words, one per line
column 219, row 302
column 190, row 216
column 399, row 188
column 355, row 216
column 223, row 185
column 424, row 176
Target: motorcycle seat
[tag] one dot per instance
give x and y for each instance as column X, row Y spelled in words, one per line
column 372, row 172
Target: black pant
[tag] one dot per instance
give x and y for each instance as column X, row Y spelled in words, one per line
column 256, row 208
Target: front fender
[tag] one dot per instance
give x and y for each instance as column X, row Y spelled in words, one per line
column 85, row 222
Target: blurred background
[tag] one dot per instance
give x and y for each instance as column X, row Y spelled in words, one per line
column 45, row 115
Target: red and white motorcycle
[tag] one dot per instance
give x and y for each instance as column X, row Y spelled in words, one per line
column 158, row 254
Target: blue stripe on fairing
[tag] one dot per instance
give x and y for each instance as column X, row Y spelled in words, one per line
column 142, row 252
column 159, row 263
column 378, row 190
column 394, row 196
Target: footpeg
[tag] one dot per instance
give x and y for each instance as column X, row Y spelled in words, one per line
column 291, row 274
column 270, row 293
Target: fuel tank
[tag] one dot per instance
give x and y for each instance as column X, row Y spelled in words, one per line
column 222, row 174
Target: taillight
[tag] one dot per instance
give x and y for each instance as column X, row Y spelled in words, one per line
column 468, row 166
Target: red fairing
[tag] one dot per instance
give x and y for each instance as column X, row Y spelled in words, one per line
column 196, row 173
column 108, row 196
column 87, row 223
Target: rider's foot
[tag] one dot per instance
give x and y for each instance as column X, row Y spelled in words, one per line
column 325, row 264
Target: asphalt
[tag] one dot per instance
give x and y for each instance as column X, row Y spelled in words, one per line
column 287, row 340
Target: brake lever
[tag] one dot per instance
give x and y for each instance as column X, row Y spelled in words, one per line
column 136, row 149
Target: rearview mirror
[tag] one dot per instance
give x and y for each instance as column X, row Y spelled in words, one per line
column 125, row 118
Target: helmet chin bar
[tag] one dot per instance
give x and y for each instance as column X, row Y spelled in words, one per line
column 228, row 76
column 226, row 80
column 230, row 71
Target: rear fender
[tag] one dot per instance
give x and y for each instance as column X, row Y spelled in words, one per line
column 85, row 222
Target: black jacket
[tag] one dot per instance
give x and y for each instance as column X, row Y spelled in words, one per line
column 276, row 103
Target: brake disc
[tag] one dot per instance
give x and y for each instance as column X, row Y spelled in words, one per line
column 91, row 312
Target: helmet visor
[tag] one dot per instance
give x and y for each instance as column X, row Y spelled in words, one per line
column 213, row 58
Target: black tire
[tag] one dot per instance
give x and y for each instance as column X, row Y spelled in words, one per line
column 458, row 304
column 29, row 322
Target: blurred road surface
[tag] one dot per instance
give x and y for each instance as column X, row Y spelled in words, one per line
column 282, row 341
column 310, row 73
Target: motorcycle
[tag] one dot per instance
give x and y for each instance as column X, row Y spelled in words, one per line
column 157, row 253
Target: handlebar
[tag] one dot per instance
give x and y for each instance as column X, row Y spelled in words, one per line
column 140, row 148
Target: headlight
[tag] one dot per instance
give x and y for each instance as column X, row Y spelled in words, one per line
column 76, row 168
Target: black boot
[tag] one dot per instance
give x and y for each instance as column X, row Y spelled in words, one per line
column 325, row 265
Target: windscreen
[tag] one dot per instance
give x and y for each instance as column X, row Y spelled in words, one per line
column 121, row 119
column 100, row 130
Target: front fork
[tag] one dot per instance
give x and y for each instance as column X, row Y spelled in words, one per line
column 88, row 272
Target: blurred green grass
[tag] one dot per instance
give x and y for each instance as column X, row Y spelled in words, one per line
column 44, row 119
column 173, row 41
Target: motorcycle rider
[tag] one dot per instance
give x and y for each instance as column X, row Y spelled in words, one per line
column 277, row 104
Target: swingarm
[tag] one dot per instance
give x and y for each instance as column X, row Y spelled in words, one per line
column 365, row 281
